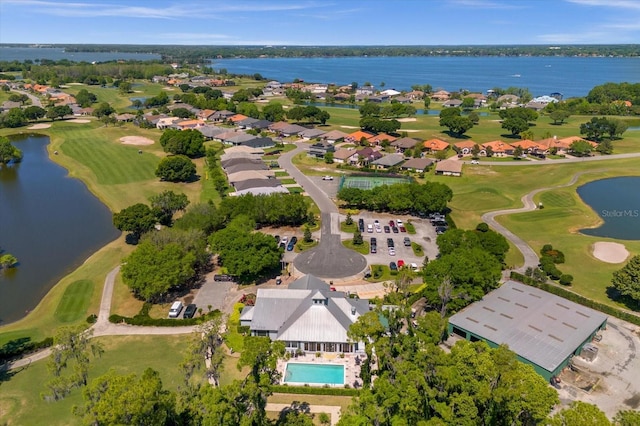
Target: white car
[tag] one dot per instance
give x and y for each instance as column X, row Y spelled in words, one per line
column 327, row 177
column 475, row 162
column 392, row 251
column 399, row 223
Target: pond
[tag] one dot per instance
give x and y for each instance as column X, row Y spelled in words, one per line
column 50, row 222
column 617, row 202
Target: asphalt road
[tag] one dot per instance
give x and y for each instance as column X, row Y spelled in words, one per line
column 330, row 259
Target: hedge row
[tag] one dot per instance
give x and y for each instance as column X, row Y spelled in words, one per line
column 162, row 322
column 14, row 349
column 312, row 390
column 559, row 291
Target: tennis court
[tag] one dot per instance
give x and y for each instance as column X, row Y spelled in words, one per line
column 368, row 182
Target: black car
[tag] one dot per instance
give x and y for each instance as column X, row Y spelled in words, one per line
column 361, row 224
column 189, row 311
column 387, row 229
column 374, row 245
column 292, row 243
column 395, row 229
column 393, row 266
column 407, row 241
column 390, row 242
column 440, row 230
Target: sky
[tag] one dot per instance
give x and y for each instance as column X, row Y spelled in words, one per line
column 318, row 23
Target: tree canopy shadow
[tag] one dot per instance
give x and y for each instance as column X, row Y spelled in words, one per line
column 615, row 295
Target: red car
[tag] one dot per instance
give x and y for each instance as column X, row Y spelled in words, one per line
column 400, row 263
column 392, row 224
column 403, row 229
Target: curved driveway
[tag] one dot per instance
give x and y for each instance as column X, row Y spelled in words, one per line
column 330, row 259
column 530, row 257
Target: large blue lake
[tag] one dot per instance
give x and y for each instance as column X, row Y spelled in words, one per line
column 617, row 202
column 572, row 76
column 57, row 53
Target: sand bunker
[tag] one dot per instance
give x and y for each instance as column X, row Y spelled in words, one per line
column 40, row 126
column 610, row 252
column 349, row 127
column 136, row 140
column 406, row 120
column 79, row 121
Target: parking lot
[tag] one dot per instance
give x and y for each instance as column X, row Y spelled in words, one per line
column 425, row 236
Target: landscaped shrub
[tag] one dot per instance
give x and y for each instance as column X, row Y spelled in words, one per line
column 310, row 390
column 556, row 255
column 16, row 348
column 566, row 279
column 143, row 320
column 91, row 319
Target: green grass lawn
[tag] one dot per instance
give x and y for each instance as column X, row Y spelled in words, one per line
column 302, row 246
column 282, row 174
column 417, row 249
column 75, row 301
column 348, row 228
column 288, row 181
column 232, row 338
column 20, row 401
column 380, row 273
column 362, row 248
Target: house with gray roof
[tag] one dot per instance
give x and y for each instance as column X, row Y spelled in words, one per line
column 239, row 139
column 256, row 183
column 259, row 143
column 222, row 115
column 292, row 129
column 319, row 149
column 244, row 124
column 417, row 164
column 388, row 161
column 544, row 330
column 209, row 132
column 261, row 191
column 259, row 125
column 307, row 316
column 245, row 175
column 334, row 136
column 403, row 144
column 242, row 167
column 311, row 134
column 236, row 160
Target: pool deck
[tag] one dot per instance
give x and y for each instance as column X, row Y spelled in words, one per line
column 351, row 366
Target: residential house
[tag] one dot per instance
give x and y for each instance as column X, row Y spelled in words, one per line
column 434, row 145
column 390, row 92
column 309, row 134
column 233, row 165
column 223, row 115
column 379, row 138
column 259, row 125
column 498, row 147
column 256, row 183
column 7, row 105
column 205, row 114
column 259, row 143
column 210, row 132
column 357, row 136
column 440, row 95
column 449, row 168
column 277, row 127
column 529, row 146
column 166, row 122
column 236, row 118
column 334, row 136
column 261, row 191
column 402, row 144
column 366, row 156
column 417, row 164
column 402, row 100
column 188, row 124
column 452, row 103
column 345, row 156
column 507, row 99
column 388, row 161
column 125, row 117
column 239, row 138
column 365, row 91
column 465, row 147
column 291, row 130
column 319, row 149
column 244, row 124
column 307, row 316
column 415, row 95
column 245, row 175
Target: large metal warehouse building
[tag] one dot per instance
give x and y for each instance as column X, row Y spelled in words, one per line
column 544, row 330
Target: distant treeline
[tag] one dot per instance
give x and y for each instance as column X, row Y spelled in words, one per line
column 200, row 54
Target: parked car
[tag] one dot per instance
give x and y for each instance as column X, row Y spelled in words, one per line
column 387, row 229
column 224, row 277
column 399, row 223
column 392, row 223
column 400, row 263
column 395, row 229
column 402, row 229
column 392, row 251
column 327, row 177
column 189, row 311
column 175, row 309
column 407, row 241
column 292, row 243
column 393, row 266
column 277, row 237
column 278, row 280
column 361, row 224
column 390, row 242
column 475, row 162
column 378, row 229
column 369, row 228
column 440, row 230
column 376, row 222
column 413, row 266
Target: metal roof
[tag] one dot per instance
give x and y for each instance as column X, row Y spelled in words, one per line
column 256, row 183
column 539, row 326
column 262, row 191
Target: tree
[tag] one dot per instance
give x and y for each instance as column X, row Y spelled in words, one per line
column 518, row 152
column 71, row 348
column 104, row 109
column 8, row 152
column 84, row 98
column 580, row 148
column 627, row 280
column 167, row 204
column 308, row 237
column 605, row 147
column 627, row 418
column 124, row 87
column 127, row 399
column 452, row 118
column 559, row 116
column 137, row 219
column 14, row 118
column 579, row 413
column 150, row 271
column 181, row 113
column 357, row 238
column 328, row 157
column 467, row 104
column 34, row 112
column 177, row 168
column 7, row 261
column 515, row 125
column 348, row 220
column 273, row 112
column 188, row 142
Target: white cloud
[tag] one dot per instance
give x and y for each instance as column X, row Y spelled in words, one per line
column 485, row 4
column 623, row 4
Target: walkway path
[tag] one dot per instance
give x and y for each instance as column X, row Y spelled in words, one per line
column 35, row 101
column 530, row 257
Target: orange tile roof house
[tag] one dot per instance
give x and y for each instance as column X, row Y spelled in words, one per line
column 436, row 145
column 465, row 147
column 565, row 143
column 381, row 137
column 440, row 95
column 237, row 117
column 498, row 147
column 529, row 146
column 357, row 136
column 189, row 124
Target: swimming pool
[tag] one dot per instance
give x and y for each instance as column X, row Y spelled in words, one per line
column 318, row 374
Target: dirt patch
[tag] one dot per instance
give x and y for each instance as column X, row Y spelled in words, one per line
column 136, row 140
column 168, row 88
column 79, row 121
column 610, row 252
column 40, row 126
column 349, row 127
column 406, row 120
